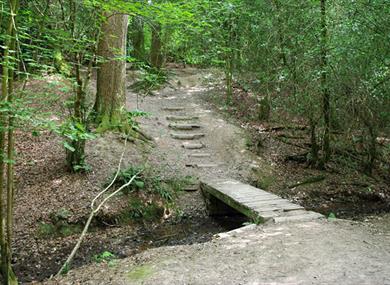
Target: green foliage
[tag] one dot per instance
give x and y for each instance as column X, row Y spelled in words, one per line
column 149, row 183
column 132, row 118
column 105, row 256
column 75, row 135
column 46, row 230
column 124, row 176
column 331, row 216
column 141, row 210
column 151, row 79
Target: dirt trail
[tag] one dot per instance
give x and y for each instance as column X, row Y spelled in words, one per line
column 336, row 252
column 320, row 252
column 225, row 142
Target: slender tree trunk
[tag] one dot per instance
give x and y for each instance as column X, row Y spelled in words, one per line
column 282, row 45
column 111, row 75
column 324, row 84
column 229, row 79
column 3, row 128
column 313, row 159
column 229, row 59
column 138, row 38
column 6, row 213
column 156, row 57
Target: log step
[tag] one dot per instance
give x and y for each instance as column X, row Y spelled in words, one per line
column 199, row 155
column 173, row 109
column 182, row 118
column 187, row 136
column 193, row 145
column 184, row 126
column 197, row 165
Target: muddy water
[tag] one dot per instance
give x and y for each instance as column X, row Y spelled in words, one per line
column 43, row 258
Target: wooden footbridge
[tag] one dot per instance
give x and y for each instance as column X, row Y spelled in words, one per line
column 254, row 203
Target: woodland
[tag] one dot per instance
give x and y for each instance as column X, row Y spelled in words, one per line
column 313, row 76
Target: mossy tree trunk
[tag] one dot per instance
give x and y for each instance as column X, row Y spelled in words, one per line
column 7, row 157
column 137, row 37
column 156, row 56
column 111, row 74
column 324, row 85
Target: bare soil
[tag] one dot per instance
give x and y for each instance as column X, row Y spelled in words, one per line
column 338, row 252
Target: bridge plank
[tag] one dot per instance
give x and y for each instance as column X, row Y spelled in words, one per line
column 255, row 203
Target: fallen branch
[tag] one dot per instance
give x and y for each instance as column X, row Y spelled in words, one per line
column 280, row 128
column 68, row 262
column 94, row 211
column 309, row 180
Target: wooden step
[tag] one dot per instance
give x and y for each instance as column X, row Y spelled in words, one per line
column 184, row 126
column 201, row 165
column 182, row 118
column 187, row 136
column 199, row 155
column 187, row 145
column 173, row 109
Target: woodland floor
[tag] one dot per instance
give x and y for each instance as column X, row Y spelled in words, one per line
column 46, row 189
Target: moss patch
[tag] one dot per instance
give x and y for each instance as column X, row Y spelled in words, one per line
column 140, row 273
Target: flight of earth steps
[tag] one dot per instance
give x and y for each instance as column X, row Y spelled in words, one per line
column 250, row 201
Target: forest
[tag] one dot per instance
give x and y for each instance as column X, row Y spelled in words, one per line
column 292, row 97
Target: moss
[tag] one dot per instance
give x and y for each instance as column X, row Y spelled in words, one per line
column 115, row 122
column 140, row 273
column 265, row 181
column 264, row 177
column 46, row 230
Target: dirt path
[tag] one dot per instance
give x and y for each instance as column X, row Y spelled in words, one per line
column 224, row 142
column 305, row 253
column 321, row 252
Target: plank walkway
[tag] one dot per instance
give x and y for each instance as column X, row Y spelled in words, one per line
column 255, row 203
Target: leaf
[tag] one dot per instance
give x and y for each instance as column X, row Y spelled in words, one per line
column 331, row 216
column 69, row 147
column 140, row 184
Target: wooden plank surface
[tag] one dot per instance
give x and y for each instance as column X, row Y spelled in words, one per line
column 256, row 203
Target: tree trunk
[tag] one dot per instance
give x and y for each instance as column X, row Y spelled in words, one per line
column 111, row 75
column 313, row 158
column 324, row 84
column 156, row 57
column 138, row 38
column 6, row 213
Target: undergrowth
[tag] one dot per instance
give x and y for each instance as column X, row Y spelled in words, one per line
column 150, row 195
column 151, row 79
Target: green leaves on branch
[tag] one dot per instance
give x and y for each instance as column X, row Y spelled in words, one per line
column 73, row 131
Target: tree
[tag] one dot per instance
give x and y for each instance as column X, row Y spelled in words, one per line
column 137, row 37
column 324, row 83
column 7, row 157
column 111, row 74
column 156, row 56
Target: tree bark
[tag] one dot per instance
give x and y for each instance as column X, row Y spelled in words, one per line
column 111, row 75
column 6, row 213
column 138, row 38
column 156, row 57
column 324, row 84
